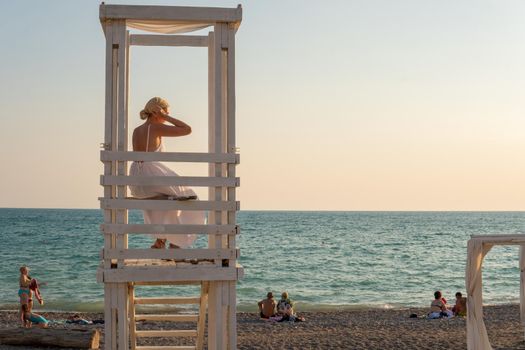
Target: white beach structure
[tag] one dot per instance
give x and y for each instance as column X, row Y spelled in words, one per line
column 122, row 269
column 477, row 247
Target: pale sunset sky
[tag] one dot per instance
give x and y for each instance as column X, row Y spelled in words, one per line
column 341, row 105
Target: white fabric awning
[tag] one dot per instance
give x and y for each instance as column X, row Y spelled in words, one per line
column 166, row 27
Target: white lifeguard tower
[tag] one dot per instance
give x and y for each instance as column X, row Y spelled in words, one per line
column 122, row 269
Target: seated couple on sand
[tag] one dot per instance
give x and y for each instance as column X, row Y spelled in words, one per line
column 280, row 311
column 439, row 309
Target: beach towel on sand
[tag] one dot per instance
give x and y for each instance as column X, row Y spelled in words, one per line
column 442, row 314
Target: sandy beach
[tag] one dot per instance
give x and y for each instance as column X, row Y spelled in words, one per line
column 353, row 329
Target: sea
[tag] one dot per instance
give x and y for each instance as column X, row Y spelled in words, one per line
column 324, row 260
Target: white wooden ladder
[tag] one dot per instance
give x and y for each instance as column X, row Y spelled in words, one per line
column 199, row 319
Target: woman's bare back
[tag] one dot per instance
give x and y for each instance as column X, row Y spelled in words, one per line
column 141, row 141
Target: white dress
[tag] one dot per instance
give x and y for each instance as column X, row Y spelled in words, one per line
column 191, row 217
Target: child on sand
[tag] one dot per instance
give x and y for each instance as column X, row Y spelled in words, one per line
column 33, row 287
column 32, row 318
column 460, row 308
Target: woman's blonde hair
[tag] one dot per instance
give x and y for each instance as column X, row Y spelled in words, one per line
column 153, row 105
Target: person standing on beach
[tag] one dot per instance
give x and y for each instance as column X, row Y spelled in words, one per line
column 148, row 138
column 267, row 306
column 24, row 281
column 27, row 286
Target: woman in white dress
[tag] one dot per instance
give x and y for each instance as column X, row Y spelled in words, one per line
column 148, row 138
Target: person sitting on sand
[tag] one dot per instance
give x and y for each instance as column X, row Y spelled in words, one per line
column 267, row 306
column 285, row 311
column 284, row 304
column 460, row 308
column 32, row 318
column 438, row 309
column 76, row 319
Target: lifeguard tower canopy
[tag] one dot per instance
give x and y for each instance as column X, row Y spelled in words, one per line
column 170, row 19
column 213, row 268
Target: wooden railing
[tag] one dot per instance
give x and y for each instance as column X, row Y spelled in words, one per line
column 219, row 259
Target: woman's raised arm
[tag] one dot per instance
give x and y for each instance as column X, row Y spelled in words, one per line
column 179, row 128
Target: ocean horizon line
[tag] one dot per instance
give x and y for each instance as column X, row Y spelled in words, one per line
column 309, row 210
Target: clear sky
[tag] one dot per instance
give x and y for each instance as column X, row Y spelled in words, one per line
column 341, row 105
